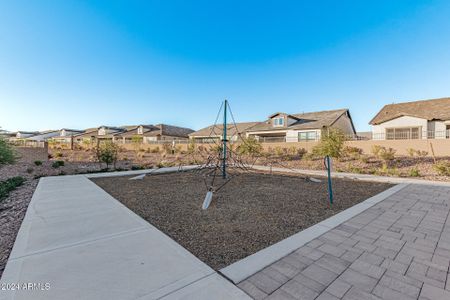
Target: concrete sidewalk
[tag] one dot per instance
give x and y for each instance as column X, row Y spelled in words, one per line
column 87, row 245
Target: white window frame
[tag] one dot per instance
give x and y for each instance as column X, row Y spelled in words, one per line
column 307, row 133
column 277, row 123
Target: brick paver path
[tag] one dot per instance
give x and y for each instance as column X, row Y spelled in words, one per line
column 398, row 249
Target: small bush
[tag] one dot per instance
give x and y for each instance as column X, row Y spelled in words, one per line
column 250, row 146
column 387, row 154
column 30, row 170
column 376, row 150
column 107, row 153
column 38, row 163
column 414, row 172
column 411, row 152
column 155, row 150
column 7, row 153
column 364, row 158
column 331, row 143
column 421, row 153
column 57, row 164
column 58, row 154
column 442, row 168
column 137, row 167
column 9, row 185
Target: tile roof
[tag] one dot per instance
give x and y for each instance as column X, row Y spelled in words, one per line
column 311, row 120
column 216, row 130
column 433, row 109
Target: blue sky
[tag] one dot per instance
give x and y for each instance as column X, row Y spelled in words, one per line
column 81, row 64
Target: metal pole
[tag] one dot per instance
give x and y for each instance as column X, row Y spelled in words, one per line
column 330, row 187
column 224, row 139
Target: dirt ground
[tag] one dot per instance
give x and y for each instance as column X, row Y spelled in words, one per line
column 248, row 214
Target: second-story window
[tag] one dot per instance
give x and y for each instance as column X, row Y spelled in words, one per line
column 278, row 122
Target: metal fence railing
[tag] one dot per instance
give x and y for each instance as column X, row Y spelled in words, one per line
column 411, row 135
column 27, row 143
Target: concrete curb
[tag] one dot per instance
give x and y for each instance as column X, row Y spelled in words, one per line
column 248, row 266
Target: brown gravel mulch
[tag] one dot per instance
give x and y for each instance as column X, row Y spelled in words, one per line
column 250, row 213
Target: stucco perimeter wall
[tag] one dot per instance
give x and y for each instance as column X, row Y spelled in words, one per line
column 30, row 155
column 441, row 146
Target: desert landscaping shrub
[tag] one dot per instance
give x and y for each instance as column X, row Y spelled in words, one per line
column 38, row 162
column 250, row 146
column 9, row 185
column 421, row 154
column 387, row 154
column 107, row 153
column 376, row 150
column 411, row 152
column 191, row 146
column 58, row 154
column 155, row 150
column 331, row 143
column 137, row 167
column 30, row 170
column 442, row 168
column 364, row 158
column 414, row 172
column 57, row 164
column 7, row 153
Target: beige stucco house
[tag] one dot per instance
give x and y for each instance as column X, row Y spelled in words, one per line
column 214, row 133
column 424, row 119
column 281, row 127
column 302, row 127
column 153, row 133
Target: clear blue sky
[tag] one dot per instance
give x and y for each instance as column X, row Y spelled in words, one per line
column 81, row 64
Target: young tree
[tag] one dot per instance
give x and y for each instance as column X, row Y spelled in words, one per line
column 250, row 146
column 107, row 153
column 7, row 152
column 331, row 143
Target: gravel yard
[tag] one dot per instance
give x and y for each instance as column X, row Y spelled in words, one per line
column 250, row 213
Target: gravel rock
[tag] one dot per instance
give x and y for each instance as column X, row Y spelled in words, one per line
column 250, row 213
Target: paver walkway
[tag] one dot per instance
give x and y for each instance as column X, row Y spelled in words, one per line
column 397, row 249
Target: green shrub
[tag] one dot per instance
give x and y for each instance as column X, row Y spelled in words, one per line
column 137, row 167
column 414, row 172
column 57, row 164
column 107, row 153
column 250, row 146
column 9, row 185
column 411, row 152
column 376, row 150
column 331, row 143
column 38, row 162
column 387, row 154
column 155, row 150
column 7, row 153
column 442, row 168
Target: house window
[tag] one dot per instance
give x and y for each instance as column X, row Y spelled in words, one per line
column 408, row 133
column 447, row 131
column 278, row 121
column 307, row 136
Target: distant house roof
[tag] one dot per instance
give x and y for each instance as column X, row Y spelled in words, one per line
column 311, row 120
column 72, row 130
column 170, row 130
column 433, row 109
column 217, row 130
